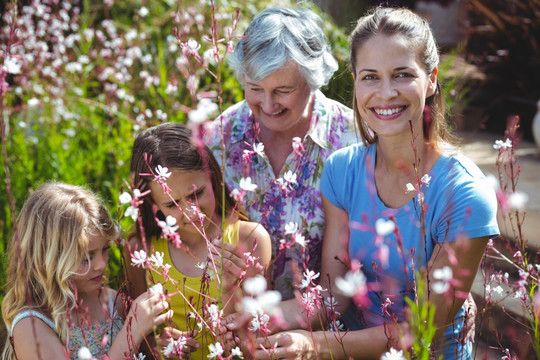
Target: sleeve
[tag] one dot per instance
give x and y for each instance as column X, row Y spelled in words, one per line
column 471, row 211
column 332, row 179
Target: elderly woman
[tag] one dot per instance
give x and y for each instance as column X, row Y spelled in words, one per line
column 280, row 136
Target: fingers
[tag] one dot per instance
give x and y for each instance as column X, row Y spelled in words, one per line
column 163, row 318
column 230, row 256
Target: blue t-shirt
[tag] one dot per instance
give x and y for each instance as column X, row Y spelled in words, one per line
column 459, row 204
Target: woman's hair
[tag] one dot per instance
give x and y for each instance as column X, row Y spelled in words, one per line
column 171, row 145
column 47, row 249
column 405, row 23
column 278, row 35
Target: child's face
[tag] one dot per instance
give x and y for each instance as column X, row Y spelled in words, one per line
column 89, row 276
column 193, row 193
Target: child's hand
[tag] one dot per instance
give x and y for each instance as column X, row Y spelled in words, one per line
column 147, row 312
column 232, row 258
column 177, row 344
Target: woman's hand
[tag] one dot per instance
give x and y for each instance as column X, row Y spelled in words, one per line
column 147, row 312
column 170, row 335
column 297, row 344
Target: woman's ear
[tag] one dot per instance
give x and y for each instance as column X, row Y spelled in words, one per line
column 432, row 83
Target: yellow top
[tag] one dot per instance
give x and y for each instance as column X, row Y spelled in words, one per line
column 197, row 293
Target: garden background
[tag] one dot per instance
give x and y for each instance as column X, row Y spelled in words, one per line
column 79, row 79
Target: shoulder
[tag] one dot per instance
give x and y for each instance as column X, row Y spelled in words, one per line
column 30, row 320
column 227, row 123
column 350, row 154
column 252, row 230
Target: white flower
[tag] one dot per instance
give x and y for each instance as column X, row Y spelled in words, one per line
column 33, row 102
column 290, row 177
column 247, row 185
column 300, row 240
column 264, row 303
column 296, row 142
column 163, row 172
column 499, row 144
column 133, row 212
column 168, row 226
column 255, row 285
column 12, row 66
column 410, row 188
column 174, row 347
column 84, row 353
column 138, row 258
column 393, row 354
column 157, row 259
column 291, row 228
column 443, row 275
column 237, row 352
column 309, row 276
column 259, row 149
column 193, row 45
column 141, row 356
column 517, row 200
column 384, row 227
column 215, row 350
column 493, row 181
column 351, row 283
column 124, row 198
column 201, row 265
column 426, row 179
column 156, row 289
column 143, row 11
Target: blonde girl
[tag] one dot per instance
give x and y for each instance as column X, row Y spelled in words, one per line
column 56, row 305
column 195, row 204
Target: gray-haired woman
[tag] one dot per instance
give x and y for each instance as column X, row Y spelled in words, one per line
column 282, row 133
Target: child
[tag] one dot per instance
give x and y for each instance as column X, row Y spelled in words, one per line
column 56, row 304
column 194, row 203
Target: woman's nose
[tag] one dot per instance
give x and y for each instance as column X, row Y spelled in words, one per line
column 387, row 89
column 268, row 103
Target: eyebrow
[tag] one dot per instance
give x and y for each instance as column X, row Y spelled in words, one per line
column 279, row 87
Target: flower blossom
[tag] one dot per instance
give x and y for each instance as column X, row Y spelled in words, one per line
column 517, row 200
column 247, row 185
column 174, row 347
column 393, row 354
column 215, row 350
column 162, row 172
column 168, row 226
column 156, row 289
column 502, row 145
column 425, row 179
column 255, row 285
column 237, row 352
column 291, row 228
column 138, row 258
column 410, row 188
column 443, row 277
column 84, row 353
column 384, row 227
column 309, row 277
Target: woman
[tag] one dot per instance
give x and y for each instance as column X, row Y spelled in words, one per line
column 405, row 204
column 282, row 133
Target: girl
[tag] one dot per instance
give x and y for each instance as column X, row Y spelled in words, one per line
column 404, row 203
column 195, row 203
column 56, row 304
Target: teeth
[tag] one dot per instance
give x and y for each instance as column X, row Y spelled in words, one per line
column 388, row 111
column 277, row 112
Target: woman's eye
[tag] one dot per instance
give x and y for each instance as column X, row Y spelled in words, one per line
column 369, row 77
column 404, row 75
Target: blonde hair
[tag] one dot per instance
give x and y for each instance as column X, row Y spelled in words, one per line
column 54, row 226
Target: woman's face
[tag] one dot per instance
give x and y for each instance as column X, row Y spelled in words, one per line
column 193, row 192
column 391, row 85
column 282, row 101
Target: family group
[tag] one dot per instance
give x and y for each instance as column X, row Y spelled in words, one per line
column 286, row 191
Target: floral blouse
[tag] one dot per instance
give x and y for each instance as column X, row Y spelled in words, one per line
column 289, row 206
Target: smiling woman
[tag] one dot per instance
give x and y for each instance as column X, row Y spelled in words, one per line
column 279, row 137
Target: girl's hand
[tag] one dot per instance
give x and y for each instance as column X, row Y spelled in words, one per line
column 296, row 344
column 170, row 335
column 232, row 260
column 147, row 312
